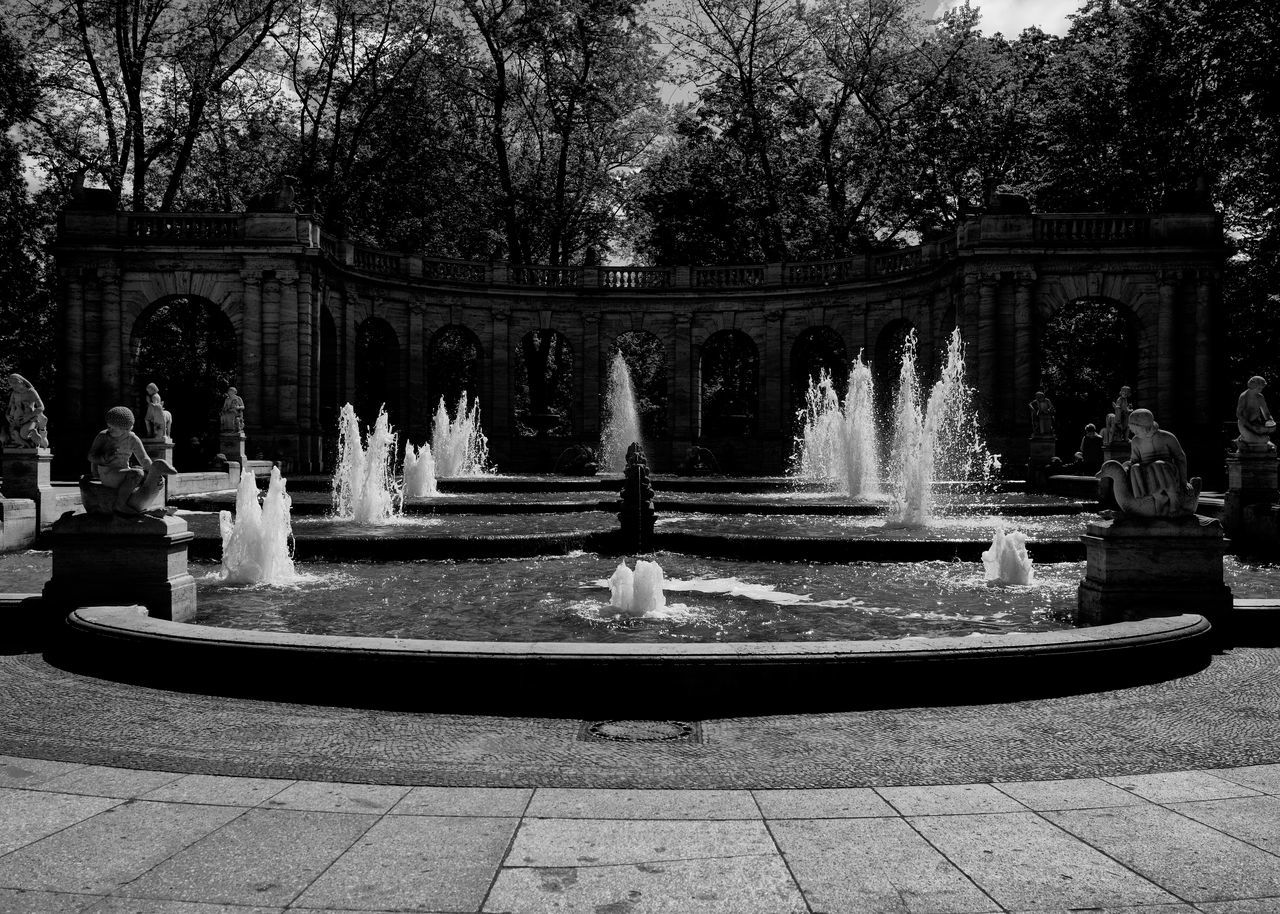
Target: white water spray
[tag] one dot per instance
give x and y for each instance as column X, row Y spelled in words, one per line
column 837, row 442
column 621, row 418
column 364, row 485
column 1007, row 561
column 635, row 593
column 459, row 447
column 255, row 545
column 419, row 471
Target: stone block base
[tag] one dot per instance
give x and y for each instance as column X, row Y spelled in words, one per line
column 1141, row 567
column 1247, row 510
column 18, row 524
column 105, row 560
column 27, row 473
column 232, row 447
column 159, row 449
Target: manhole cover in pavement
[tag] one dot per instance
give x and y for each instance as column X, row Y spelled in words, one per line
column 641, row 731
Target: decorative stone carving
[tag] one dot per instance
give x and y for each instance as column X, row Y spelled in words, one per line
column 26, row 425
column 158, row 420
column 115, row 485
column 232, row 413
column 1117, row 427
column 1153, row 482
column 637, row 515
column 1254, row 419
column 1042, row 413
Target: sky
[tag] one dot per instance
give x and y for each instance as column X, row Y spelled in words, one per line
column 1012, row 16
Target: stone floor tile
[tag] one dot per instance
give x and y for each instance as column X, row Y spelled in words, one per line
column 716, row 885
column 572, row 803
column 822, row 803
column 215, row 790
column 1077, row 793
column 114, row 847
column 952, row 799
column 29, row 815
column 1180, row 786
column 1191, row 860
column 1265, row 778
column 100, row 781
column 879, row 865
column 23, row 901
column 1252, row 819
column 118, row 905
column 464, row 801
column 1022, row 861
column 1247, row 906
column 1178, row 908
column 587, row 842
column 31, row 772
column 325, row 797
column 265, row 857
column 418, row 863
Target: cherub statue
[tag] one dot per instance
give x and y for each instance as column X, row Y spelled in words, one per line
column 1042, row 416
column 159, row 421
column 25, row 421
column 1153, row 482
column 136, row 489
column 1122, row 408
column 1254, row 419
column 232, row 415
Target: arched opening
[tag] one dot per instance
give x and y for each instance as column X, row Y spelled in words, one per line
column 377, row 363
column 453, row 366
column 544, row 385
column 646, row 359
column 887, row 364
column 729, row 382
column 817, row 350
column 185, row 346
column 1088, row 351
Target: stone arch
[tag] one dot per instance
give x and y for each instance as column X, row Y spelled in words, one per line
column 185, row 345
column 455, row 364
column 544, row 384
column 377, row 371
column 886, row 364
column 816, row 350
column 646, row 357
column 728, row 385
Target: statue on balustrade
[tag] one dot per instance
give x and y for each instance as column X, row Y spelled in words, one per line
column 114, row 484
column 232, row 416
column 1254, row 419
column 25, row 423
column 1153, row 482
column 159, row 421
column 1042, row 416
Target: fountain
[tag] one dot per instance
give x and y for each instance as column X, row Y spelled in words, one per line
column 837, row 443
column 419, row 471
column 364, row 485
column 255, row 545
column 1007, row 562
column 635, row 593
column 458, row 445
column 621, row 417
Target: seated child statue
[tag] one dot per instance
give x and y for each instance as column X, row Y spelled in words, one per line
column 137, row 489
column 1156, row 472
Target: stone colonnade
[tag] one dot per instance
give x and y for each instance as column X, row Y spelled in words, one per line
column 279, row 280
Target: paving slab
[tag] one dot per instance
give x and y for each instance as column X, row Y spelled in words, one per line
column 1128, row 909
column 216, row 790
column 420, row 863
column 29, row 815
column 1077, row 793
column 265, row 857
column 1255, row 820
column 570, row 803
column 102, row 781
column 822, row 803
column 325, row 797
column 1193, row 861
column 31, row 772
column 1022, row 861
column 950, row 799
column 724, row 885
column 1250, row 906
column 1180, row 786
column 117, row 905
column 1264, row 778
column 23, row 901
column 601, row 842
column 101, row 854
column 880, row 865
column 463, row 801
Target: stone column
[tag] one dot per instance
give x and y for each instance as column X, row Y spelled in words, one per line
column 112, row 373
column 419, row 421
column 592, row 390
column 967, row 321
column 71, row 380
column 308, row 395
column 682, row 405
column 252, row 383
column 287, row 377
column 987, row 350
column 1166, row 345
column 269, row 398
column 1204, row 349
column 501, row 376
column 773, row 385
column 1025, row 369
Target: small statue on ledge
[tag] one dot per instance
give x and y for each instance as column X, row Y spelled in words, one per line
column 25, row 423
column 159, row 421
column 1153, row 481
column 1123, row 409
column 1254, row 419
column 232, row 415
column 125, row 489
column 1042, row 416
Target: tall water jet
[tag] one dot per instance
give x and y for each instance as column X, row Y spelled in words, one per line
column 458, row 445
column 911, row 451
column 837, row 442
column 255, row 544
column 621, row 417
column 419, row 471
column 364, row 485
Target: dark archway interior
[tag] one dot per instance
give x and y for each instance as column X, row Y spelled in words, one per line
column 729, row 371
column 816, row 351
column 544, row 394
column 646, row 359
column 453, row 367
column 887, row 364
column 377, row 364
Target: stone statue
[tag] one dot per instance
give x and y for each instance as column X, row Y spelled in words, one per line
column 25, row 422
column 1153, row 481
column 1042, row 416
column 1123, row 408
column 232, row 416
column 159, row 421
column 1254, row 419
column 125, row 489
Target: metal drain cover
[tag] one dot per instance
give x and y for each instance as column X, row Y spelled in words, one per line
column 642, row 731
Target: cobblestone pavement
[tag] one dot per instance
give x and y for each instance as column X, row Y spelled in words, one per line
column 1226, row 715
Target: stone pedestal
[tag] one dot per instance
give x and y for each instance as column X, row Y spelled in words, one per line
column 26, row 472
column 231, row 446
column 107, row 560
column 1141, row 567
column 1119, row 452
column 1247, row 513
column 159, row 449
column 1041, row 451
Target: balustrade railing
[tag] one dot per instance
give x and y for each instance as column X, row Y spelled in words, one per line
column 728, row 277
column 895, row 262
column 454, row 270
column 183, row 228
column 1092, row 229
column 371, row 260
column 546, row 277
column 822, row 272
column 636, row 277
